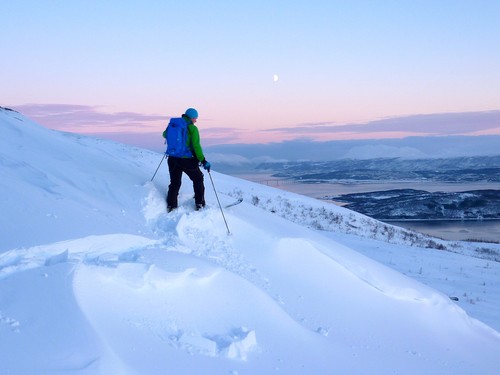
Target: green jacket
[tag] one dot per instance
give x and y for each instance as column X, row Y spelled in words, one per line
column 193, row 139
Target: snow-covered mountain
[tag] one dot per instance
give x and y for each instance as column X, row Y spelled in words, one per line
column 421, row 149
column 96, row 278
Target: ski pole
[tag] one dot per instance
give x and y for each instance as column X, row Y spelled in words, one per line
column 220, row 206
column 163, row 157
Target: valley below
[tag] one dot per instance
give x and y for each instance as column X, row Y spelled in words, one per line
column 456, row 198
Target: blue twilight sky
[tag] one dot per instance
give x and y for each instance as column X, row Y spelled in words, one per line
column 257, row 71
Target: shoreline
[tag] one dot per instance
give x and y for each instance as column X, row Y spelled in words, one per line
column 437, row 220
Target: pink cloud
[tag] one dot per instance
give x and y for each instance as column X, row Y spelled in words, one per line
column 486, row 122
column 92, row 120
column 83, row 118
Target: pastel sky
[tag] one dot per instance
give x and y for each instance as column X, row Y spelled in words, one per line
column 256, row 71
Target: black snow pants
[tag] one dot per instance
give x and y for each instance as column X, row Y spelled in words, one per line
column 189, row 166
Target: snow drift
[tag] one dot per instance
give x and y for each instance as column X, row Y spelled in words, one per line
column 96, row 278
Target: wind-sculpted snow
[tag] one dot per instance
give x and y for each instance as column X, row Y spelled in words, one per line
column 96, row 277
column 180, row 307
column 89, row 249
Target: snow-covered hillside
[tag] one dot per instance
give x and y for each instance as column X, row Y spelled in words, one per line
column 96, row 278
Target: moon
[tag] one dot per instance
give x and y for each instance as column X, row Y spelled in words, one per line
column 275, row 78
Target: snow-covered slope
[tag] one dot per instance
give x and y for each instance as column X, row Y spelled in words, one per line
column 95, row 277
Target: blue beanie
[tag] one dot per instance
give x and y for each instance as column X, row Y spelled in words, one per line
column 191, row 113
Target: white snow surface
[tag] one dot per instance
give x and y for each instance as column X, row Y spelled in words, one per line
column 96, row 277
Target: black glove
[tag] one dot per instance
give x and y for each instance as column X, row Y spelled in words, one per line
column 206, row 165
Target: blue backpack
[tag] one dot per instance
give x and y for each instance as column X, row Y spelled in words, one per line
column 177, row 138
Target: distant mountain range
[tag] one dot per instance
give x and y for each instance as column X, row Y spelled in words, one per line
column 238, row 157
